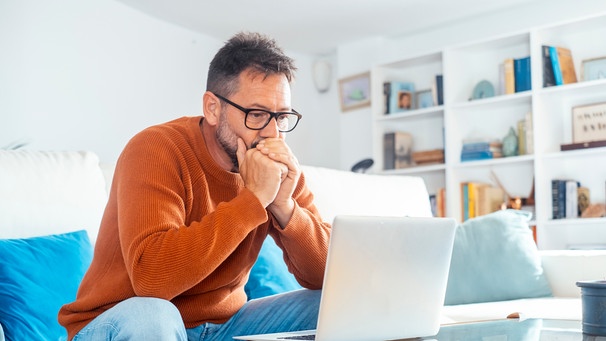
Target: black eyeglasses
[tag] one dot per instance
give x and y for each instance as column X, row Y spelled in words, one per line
column 257, row 119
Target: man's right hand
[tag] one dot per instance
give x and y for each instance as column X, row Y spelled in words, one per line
column 261, row 175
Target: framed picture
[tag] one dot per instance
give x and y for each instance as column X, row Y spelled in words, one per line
column 354, row 91
column 594, row 68
column 589, row 123
column 423, row 99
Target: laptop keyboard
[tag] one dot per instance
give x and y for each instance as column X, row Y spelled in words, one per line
column 299, row 337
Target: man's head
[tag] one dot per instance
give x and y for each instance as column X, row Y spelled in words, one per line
column 246, row 51
column 249, row 71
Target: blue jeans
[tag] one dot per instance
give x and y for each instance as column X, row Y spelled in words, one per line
column 146, row 318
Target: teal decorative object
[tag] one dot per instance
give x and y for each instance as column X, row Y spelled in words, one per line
column 510, row 143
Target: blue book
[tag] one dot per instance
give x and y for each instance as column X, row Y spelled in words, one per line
column 476, row 155
column 476, row 146
column 521, row 69
column 555, row 63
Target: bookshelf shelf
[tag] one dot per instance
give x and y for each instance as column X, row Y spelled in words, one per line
column 415, row 170
column 460, row 120
column 491, row 162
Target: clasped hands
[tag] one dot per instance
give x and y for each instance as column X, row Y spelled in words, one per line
column 271, row 172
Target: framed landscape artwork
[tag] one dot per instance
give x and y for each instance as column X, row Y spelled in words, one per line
column 354, row 91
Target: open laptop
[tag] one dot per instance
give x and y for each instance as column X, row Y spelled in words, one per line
column 385, row 279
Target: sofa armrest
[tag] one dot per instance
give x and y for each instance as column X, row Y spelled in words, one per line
column 563, row 268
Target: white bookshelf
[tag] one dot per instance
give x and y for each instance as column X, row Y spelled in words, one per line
column 446, row 126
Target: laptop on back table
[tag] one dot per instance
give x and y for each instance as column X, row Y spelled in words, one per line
column 385, row 279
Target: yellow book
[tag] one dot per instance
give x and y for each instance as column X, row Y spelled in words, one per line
column 509, row 75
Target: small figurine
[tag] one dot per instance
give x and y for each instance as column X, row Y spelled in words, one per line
column 510, row 143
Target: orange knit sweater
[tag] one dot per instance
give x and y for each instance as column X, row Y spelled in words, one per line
column 179, row 227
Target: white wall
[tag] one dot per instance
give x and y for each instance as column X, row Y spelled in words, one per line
column 360, row 56
column 90, row 74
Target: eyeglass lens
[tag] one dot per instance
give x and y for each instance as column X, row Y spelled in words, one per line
column 259, row 119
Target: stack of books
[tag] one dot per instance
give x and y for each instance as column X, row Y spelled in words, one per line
column 478, row 198
column 565, row 194
column 481, row 150
column 428, row 157
column 515, row 75
column 558, row 66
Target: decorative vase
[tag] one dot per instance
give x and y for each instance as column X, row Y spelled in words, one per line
column 510, row 143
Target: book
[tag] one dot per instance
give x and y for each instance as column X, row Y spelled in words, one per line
column 400, row 96
column 572, row 204
column 583, row 145
column 555, row 64
column 464, row 201
column 558, row 199
column 428, row 156
column 473, row 189
column 437, row 90
column 397, row 149
column 564, row 198
column 386, row 97
column 567, row 69
column 509, row 76
column 522, row 80
column 479, row 155
column 522, row 137
column 548, row 77
column 563, row 65
column 441, row 202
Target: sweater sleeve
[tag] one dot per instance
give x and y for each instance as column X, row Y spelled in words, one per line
column 173, row 235
column 304, row 240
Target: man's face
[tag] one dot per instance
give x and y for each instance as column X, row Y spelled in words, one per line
column 255, row 91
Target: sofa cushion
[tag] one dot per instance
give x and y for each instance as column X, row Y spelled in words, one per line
column 269, row 275
column 343, row 192
column 494, row 259
column 50, row 192
column 37, row 276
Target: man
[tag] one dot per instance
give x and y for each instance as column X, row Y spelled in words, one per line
column 191, row 203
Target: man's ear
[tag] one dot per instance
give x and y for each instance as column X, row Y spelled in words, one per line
column 211, row 105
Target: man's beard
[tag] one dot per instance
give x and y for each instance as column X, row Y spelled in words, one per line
column 229, row 141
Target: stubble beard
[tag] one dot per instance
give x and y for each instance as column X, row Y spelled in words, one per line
column 229, row 141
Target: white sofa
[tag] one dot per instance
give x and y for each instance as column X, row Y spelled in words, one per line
column 45, row 193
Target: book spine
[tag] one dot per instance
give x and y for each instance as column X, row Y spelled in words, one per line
column 476, row 155
column 510, row 86
column 555, row 63
column 440, row 89
column 572, row 206
column 522, row 137
column 521, row 68
column 471, row 196
column 386, row 96
column 465, row 201
column 548, row 78
column 389, row 152
column 558, row 199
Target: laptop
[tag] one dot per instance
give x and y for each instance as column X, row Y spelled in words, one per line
column 385, row 279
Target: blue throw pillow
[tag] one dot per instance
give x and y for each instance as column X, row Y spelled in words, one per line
column 495, row 259
column 37, row 276
column 269, row 275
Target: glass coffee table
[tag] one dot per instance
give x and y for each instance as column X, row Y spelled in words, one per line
column 515, row 330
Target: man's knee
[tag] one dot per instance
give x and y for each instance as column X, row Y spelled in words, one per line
column 148, row 318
